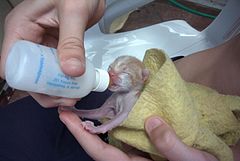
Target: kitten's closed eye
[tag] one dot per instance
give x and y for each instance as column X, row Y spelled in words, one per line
column 126, row 72
column 124, row 68
column 125, row 77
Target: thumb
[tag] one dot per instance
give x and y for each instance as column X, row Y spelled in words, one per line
column 165, row 140
column 73, row 20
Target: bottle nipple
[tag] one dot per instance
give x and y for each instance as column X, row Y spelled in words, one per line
column 102, row 80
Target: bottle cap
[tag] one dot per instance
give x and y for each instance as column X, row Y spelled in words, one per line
column 102, row 80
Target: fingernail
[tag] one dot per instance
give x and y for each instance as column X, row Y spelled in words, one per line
column 153, row 123
column 62, row 119
column 73, row 63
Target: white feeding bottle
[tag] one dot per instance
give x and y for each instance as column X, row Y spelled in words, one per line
column 35, row 68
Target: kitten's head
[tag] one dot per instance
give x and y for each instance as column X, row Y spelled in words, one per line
column 127, row 73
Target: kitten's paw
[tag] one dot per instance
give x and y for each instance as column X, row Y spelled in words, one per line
column 89, row 126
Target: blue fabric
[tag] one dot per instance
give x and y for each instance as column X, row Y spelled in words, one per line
column 30, row 132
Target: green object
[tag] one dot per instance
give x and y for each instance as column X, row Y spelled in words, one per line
column 185, row 8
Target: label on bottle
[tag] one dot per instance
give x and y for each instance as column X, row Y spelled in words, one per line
column 58, row 79
column 63, row 81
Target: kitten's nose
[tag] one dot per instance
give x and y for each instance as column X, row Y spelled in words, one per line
column 111, row 73
column 113, row 76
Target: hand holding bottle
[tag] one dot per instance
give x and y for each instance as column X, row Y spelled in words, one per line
column 58, row 24
column 36, row 69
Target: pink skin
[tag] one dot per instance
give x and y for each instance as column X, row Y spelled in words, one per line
column 55, row 23
column 126, row 85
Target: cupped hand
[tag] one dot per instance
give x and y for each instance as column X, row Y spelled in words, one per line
column 55, row 23
column 160, row 134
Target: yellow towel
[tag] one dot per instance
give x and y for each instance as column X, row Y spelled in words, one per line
column 201, row 117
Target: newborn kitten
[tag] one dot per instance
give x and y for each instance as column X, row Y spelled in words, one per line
column 127, row 77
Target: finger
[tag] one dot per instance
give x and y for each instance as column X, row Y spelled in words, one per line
column 8, row 41
column 74, row 17
column 9, row 38
column 92, row 144
column 72, row 23
column 169, row 145
column 236, row 149
column 49, row 101
column 161, row 136
column 17, row 27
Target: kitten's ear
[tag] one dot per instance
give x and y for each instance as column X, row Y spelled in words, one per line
column 145, row 74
